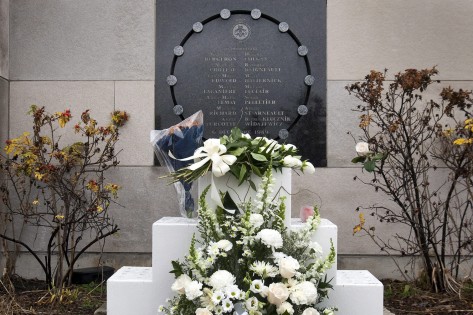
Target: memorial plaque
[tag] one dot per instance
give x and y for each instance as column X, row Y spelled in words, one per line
column 258, row 65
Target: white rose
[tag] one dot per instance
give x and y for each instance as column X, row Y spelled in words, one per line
column 256, row 220
column 180, row 284
column 270, row 238
column 310, row 311
column 292, row 162
column 289, row 147
column 202, row 311
column 221, row 279
column 288, row 267
column 226, row 245
column 308, row 168
column 362, row 148
column 193, row 290
column 285, row 307
column 277, row 293
column 246, row 136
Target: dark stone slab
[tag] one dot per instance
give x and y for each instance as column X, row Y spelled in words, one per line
column 92, row 274
column 262, row 70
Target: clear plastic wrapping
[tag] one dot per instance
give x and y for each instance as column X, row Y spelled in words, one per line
column 181, row 141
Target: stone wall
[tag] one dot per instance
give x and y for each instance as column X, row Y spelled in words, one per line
column 99, row 54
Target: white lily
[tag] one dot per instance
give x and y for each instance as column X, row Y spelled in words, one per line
column 213, row 151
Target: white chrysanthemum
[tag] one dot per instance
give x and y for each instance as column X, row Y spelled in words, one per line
column 217, row 297
column 264, row 269
column 232, row 292
column 270, row 238
column 225, row 245
column 193, row 290
column 256, row 220
column 252, row 304
column 285, row 307
column 227, row 305
column 218, row 309
column 256, row 286
column 221, row 279
column 304, row 293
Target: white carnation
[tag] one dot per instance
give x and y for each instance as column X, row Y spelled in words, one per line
column 362, row 148
column 193, row 290
column 270, row 238
column 285, row 307
column 304, row 293
column 256, row 220
column 225, row 245
column 180, row 284
column 221, row 279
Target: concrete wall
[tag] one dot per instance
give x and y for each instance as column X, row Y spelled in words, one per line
column 99, row 54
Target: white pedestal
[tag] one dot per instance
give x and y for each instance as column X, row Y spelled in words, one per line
column 138, row 290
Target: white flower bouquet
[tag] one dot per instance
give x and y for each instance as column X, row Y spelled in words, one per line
column 249, row 263
column 241, row 155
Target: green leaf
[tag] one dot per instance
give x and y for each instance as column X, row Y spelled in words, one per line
column 236, row 133
column 370, row 165
column 259, row 157
column 252, row 184
column 228, row 203
column 242, row 173
column 177, row 268
column 237, row 151
column 256, row 171
column 378, row 156
column 359, row 159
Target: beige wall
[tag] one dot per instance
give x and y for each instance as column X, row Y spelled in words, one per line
column 99, row 54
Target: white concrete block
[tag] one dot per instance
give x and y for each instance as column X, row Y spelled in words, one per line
column 130, row 291
column 282, row 188
column 366, row 34
column 356, row 292
column 171, row 241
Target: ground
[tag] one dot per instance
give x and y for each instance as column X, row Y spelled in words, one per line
column 401, row 298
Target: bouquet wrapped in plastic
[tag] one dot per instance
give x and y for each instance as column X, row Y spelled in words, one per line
column 174, row 144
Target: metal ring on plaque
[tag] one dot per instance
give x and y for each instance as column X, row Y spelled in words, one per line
column 309, row 80
column 283, row 27
column 171, row 80
column 302, row 50
column 283, row 134
column 178, row 109
column 198, row 27
column 225, row 14
column 178, row 51
column 302, row 110
column 255, row 14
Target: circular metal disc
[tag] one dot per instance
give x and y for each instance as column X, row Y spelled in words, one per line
column 302, row 110
column 178, row 109
column 198, row 27
column 171, row 80
column 255, row 14
column 283, row 133
column 283, row 27
column 225, row 14
column 302, row 50
column 309, row 80
column 178, row 51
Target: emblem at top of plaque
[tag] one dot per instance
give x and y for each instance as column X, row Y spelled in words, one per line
column 241, row 31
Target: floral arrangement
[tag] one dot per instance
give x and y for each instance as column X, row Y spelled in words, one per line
column 240, row 155
column 249, row 263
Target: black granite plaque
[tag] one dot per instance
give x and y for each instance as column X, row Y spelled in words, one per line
column 258, row 65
